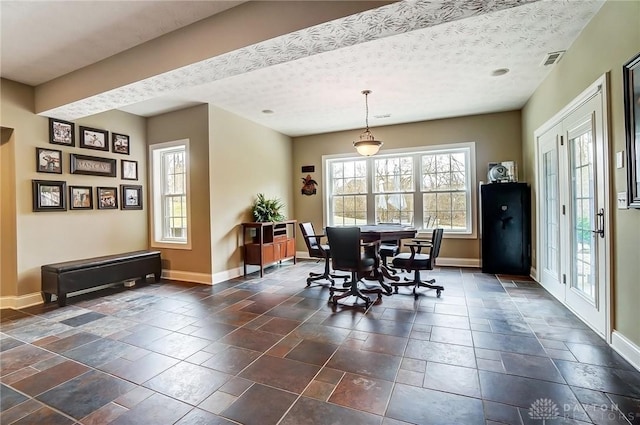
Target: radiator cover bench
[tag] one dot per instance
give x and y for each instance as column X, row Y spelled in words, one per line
column 62, row 278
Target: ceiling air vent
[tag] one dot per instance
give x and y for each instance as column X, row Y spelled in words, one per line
column 552, row 58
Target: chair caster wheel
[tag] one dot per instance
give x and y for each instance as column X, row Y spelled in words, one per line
column 438, row 293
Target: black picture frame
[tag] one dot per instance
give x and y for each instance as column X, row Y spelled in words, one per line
column 631, row 84
column 92, row 165
column 94, row 138
column 107, row 198
column 49, row 195
column 48, row 160
column 131, row 197
column 120, row 143
column 128, row 169
column 80, row 197
column 62, row 132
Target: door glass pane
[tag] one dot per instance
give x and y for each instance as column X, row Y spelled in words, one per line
column 552, row 227
column 583, row 220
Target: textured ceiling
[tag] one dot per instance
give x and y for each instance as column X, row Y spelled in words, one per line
column 422, row 60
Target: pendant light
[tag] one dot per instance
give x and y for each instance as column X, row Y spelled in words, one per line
column 367, row 145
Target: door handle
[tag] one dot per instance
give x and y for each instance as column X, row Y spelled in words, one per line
column 600, row 223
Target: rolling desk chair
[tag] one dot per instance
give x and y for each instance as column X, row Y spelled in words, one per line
column 347, row 255
column 417, row 262
column 318, row 250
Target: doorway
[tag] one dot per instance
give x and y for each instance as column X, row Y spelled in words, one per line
column 574, row 209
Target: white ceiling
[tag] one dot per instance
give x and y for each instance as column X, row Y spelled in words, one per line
column 422, row 60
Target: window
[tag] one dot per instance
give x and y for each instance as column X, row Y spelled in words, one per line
column 170, row 188
column 425, row 187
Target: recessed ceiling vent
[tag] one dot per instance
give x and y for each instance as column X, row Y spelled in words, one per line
column 552, row 58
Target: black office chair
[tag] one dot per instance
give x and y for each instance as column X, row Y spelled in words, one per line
column 417, row 262
column 347, row 254
column 318, row 250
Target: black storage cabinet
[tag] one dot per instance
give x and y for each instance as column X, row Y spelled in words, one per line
column 505, row 214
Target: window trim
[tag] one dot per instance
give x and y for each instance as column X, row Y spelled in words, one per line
column 429, row 149
column 155, row 185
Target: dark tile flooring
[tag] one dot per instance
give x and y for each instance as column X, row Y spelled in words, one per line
column 266, row 351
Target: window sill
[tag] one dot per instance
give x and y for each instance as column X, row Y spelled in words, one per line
column 171, row 245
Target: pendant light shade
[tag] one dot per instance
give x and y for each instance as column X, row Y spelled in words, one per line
column 367, row 145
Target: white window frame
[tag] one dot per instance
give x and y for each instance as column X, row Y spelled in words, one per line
column 471, row 190
column 156, row 184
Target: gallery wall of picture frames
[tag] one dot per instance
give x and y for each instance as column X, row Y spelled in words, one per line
column 51, row 195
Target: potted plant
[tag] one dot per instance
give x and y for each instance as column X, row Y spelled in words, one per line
column 267, row 210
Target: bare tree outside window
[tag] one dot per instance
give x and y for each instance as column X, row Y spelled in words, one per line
column 424, row 188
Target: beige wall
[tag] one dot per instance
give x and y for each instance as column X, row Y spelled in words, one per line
column 47, row 237
column 8, row 249
column 192, row 124
column 246, row 159
column 610, row 39
column 497, row 137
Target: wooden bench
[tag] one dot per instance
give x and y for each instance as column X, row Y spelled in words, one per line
column 62, row 278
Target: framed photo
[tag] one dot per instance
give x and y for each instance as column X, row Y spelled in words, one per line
column 107, row 198
column 631, row 81
column 49, row 195
column 80, row 198
column 131, row 197
column 61, row 132
column 120, row 143
column 92, row 165
column 93, row 138
column 129, row 169
column 48, row 161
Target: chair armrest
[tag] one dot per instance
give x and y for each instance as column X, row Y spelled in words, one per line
column 421, row 242
column 417, row 245
column 314, row 236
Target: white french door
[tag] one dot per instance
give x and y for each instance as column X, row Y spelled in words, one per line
column 573, row 211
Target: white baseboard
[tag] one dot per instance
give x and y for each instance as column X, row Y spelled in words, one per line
column 458, row 262
column 533, row 274
column 626, row 348
column 21, row 301
column 187, row 276
column 303, row 254
column 227, row 275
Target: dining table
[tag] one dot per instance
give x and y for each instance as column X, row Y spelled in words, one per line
column 385, row 232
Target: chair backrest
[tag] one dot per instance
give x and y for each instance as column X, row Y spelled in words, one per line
column 307, row 231
column 436, row 241
column 345, row 247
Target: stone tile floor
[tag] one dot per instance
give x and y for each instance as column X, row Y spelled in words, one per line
column 266, row 351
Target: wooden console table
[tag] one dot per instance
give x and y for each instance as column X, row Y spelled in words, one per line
column 268, row 243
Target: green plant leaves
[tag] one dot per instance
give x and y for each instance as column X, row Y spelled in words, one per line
column 267, row 210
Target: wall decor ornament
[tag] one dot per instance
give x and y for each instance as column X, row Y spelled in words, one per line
column 308, row 185
column 49, row 195
column 107, row 198
column 93, row 138
column 48, row 161
column 80, row 198
column 92, row 165
column 129, row 169
column 131, row 197
column 631, row 82
column 120, row 143
column 61, row 132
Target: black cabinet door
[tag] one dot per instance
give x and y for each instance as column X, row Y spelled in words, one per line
column 505, row 217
